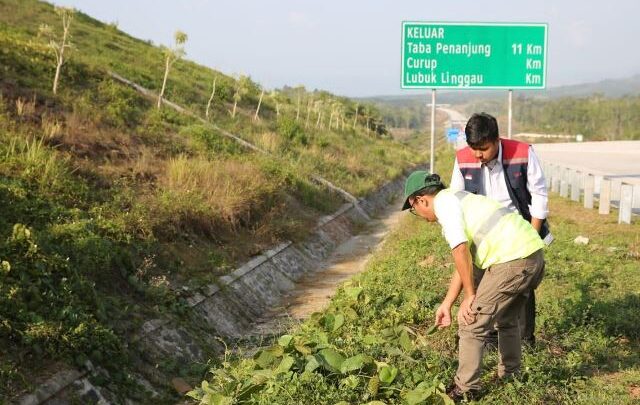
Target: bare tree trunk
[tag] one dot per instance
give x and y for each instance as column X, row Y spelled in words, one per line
column 255, row 117
column 66, row 22
column 306, row 123
column 213, row 93
column 319, row 117
column 278, row 110
column 57, row 77
column 355, row 120
column 298, row 109
column 164, row 80
column 233, row 113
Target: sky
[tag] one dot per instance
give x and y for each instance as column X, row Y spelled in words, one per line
column 353, row 47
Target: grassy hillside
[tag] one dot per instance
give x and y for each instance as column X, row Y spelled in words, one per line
column 375, row 345
column 111, row 207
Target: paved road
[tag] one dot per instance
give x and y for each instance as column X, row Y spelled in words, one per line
column 616, row 159
column 620, row 159
column 455, row 116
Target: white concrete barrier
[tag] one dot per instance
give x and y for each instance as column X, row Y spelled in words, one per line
column 576, row 185
column 626, row 204
column 605, row 197
column 589, row 186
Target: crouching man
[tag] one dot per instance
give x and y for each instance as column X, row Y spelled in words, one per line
column 509, row 252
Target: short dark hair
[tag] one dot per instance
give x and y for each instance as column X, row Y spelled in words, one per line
column 432, row 189
column 481, row 128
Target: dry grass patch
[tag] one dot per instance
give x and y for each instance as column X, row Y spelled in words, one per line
column 206, row 195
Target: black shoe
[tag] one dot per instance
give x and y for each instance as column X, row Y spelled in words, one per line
column 529, row 341
column 456, row 394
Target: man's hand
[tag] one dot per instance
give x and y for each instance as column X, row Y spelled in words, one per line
column 443, row 316
column 466, row 315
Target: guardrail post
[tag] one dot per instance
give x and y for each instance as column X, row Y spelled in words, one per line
column 605, row 197
column 548, row 174
column 564, row 183
column 616, row 184
column 555, row 180
column 626, row 202
column 589, row 185
column 575, row 185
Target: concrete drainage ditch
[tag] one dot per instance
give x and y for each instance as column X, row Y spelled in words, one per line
column 231, row 308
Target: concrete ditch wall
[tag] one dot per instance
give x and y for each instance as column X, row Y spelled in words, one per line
column 229, row 307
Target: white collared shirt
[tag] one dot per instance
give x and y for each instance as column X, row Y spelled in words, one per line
column 495, row 186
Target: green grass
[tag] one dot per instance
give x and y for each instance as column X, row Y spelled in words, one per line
column 588, row 336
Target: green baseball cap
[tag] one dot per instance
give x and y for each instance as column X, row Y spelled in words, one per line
column 416, row 182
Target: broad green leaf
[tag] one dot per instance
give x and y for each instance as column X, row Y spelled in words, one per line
column 265, row 358
column 417, row 396
column 388, row 374
column 351, row 381
column 375, row 403
column 355, row 363
column 341, row 403
column 248, row 389
column 353, row 292
column 285, row 365
column 312, row 363
column 217, row 399
column 405, row 341
column 327, row 322
column 261, row 376
column 331, row 360
column 302, row 349
column 350, row 313
column 446, row 399
column 371, row 340
column 285, row 340
column 338, row 321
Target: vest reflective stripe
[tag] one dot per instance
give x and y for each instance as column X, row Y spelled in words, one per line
column 488, row 224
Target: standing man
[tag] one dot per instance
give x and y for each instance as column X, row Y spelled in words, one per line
column 484, row 234
column 509, row 172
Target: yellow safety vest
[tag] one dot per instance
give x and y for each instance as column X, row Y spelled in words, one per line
column 495, row 233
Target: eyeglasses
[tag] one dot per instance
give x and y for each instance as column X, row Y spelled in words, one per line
column 412, row 209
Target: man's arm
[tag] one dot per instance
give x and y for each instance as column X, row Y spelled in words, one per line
column 538, row 190
column 457, row 181
column 462, row 279
column 462, row 260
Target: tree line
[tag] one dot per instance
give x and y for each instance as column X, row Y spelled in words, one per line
column 312, row 109
column 596, row 117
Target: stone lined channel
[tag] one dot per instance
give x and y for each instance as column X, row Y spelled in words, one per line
column 313, row 293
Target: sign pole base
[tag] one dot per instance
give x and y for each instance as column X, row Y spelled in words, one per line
column 510, row 112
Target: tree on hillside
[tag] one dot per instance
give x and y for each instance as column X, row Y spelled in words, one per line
column 171, row 56
column 278, row 99
column 242, row 88
column 300, row 91
column 255, row 117
column 318, row 105
column 213, row 93
column 58, row 46
column 309, row 104
column 355, row 119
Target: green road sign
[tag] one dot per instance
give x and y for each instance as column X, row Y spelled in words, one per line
column 473, row 55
